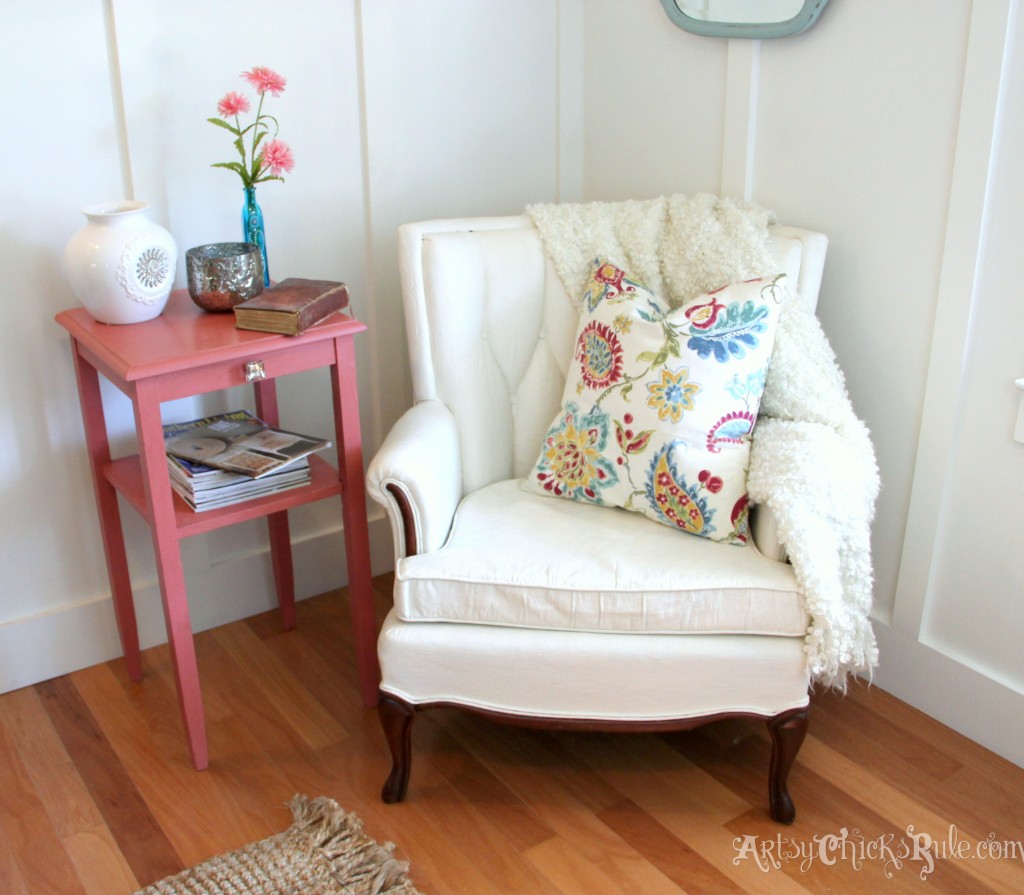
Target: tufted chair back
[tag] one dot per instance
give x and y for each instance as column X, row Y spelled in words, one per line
column 491, row 331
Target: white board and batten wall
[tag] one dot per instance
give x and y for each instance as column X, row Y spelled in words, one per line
column 893, row 128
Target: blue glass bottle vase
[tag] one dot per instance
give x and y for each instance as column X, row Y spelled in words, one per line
column 252, row 228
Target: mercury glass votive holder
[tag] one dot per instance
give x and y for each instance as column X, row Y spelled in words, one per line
column 222, row 274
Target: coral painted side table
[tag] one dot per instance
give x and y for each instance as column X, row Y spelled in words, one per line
column 184, row 352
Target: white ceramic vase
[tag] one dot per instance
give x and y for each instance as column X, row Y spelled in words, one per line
column 121, row 265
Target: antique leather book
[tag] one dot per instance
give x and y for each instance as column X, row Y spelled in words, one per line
column 291, row 306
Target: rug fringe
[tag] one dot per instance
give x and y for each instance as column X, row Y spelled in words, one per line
column 365, row 866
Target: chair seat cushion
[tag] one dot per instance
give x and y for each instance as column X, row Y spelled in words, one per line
column 517, row 559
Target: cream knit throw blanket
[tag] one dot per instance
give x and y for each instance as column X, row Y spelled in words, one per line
column 812, row 461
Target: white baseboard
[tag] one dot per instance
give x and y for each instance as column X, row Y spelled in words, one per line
column 972, row 703
column 39, row 647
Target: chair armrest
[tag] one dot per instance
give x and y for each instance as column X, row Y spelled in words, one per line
column 417, row 477
column 764, row 530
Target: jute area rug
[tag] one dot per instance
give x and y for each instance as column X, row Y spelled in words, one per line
column 324, row 852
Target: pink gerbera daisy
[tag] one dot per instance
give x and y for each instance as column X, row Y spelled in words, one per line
column 265, row 80
column 276, row 158
column 232, row 105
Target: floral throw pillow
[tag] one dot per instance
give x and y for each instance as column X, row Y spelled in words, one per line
column 660, row 403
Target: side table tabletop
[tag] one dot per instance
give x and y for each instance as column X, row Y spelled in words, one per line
column 183, row 352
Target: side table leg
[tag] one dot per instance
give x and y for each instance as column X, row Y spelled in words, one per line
column 357, row 537
column 281, row 559
column 171, row 574
column 109, row 512
column 277, row 523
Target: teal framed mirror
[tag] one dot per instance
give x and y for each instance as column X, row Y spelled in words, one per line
column 744, row 18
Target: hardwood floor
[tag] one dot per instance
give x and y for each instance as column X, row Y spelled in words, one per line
column 97, row 795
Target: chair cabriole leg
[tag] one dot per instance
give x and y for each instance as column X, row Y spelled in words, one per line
column 787, row 731
column 396, row 717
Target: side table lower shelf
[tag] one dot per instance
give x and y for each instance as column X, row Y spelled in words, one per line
column 125, row 475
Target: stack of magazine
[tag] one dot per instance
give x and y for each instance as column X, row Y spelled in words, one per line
column 224, row 459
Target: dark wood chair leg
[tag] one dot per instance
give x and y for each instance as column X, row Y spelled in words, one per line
column 788, row 731
column 396, row 717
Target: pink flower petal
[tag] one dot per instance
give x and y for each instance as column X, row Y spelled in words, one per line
column 265, row 80
column 276, row 158
column 232, row 104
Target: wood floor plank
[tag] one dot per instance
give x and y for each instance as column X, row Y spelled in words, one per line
column 517, row 820
column 620, row 874
column 243, row 695
column 825, row 811
column 77, row 820
column 62, row 790
column 457, row 849
column 667, row 772
column 141, row 838
column 896, row 807
column 672, row 857
column 912, row 748
column 279, row 687
column 99, row 862
column 525, row 760
column 955, row 795
column 864, row 743
column 157, row 762
column 675, row 796
column 716, row 757
column 452, row 845
column 987, row 805
column 324, row 664
column 258, row 733
column 11, row 880
column 43, row 864
column 314, row 659
column 943, row 738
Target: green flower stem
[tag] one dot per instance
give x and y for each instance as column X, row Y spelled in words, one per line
column 628, row 380
column 255, row 139
column 241, row 149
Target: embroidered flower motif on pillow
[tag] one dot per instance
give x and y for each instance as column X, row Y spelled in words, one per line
column 672, row 394
column 728, row 334
column 679, row 388
column 608, row 284
column 572, row 461
column 676, row 502
column 600, row 355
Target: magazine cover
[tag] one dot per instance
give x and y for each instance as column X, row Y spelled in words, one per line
column 238, row 442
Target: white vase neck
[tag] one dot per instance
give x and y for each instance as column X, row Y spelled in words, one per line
column 112, row 211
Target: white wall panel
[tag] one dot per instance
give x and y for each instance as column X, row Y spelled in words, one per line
column 975, row 610
column 59, row 152
column 655, row 99
column 462, row 118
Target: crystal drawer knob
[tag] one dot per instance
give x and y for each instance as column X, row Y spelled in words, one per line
column 254, row 370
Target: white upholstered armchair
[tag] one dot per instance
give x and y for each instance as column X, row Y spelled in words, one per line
column 542, row 611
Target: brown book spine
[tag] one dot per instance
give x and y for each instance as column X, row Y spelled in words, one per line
column 323, row 306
